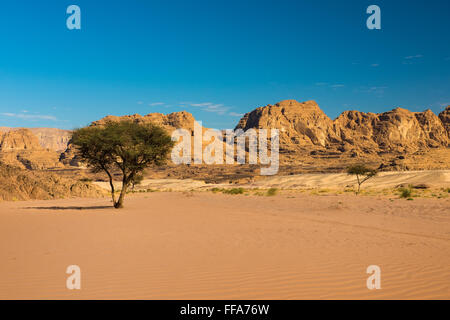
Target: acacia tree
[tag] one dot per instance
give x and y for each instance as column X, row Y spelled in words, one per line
column 126, row 146
column 362, row 174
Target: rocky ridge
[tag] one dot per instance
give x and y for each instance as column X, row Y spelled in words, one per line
column 395, row 140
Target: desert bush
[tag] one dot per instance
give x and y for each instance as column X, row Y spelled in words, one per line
column 405, row 192
column 234, row 191
column 362, row 174
column 272, row 192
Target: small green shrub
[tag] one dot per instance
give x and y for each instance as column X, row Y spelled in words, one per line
column 272, row 191
column 405, row 192
column 234, row 191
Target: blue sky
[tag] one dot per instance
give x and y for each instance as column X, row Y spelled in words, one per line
column 218, row 59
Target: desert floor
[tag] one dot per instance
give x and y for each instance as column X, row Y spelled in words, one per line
column 333, row 181
column 200, row 245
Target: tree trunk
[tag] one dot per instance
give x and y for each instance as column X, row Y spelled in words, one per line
column 359, row 184
column 123, row 192
column 111, row 183
column 119, row 203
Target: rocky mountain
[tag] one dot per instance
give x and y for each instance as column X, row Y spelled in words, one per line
column 49, row 138
column 170, row 121
column 395, row 140
column 21, row 148
column 304, row 125
column 445, row 118
column 300, row 124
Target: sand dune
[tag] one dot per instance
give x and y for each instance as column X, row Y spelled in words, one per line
column 214, row 246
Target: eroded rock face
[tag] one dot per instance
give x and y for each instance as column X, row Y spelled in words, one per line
column 305, row 124
column 445, row 118
column 299, row 124
column 21, row 139
column 308, row 137
column 170, row 121
column 21, row 148
column 49, row 138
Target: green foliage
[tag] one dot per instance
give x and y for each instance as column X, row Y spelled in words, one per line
column 124, row 145
column 272, row 192
column 362, row 174
column 234, row 191
column 136, row 180
column 405, row 192
column 228, row 191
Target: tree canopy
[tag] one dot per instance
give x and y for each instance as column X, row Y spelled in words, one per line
column 362, row 174
column 124, row 145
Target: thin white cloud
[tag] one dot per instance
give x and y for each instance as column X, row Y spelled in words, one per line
column 411, row 59
column 140, row 102
column 376, row 90
column 371, row 89
column 29, row 116
column 235, row 114
column 154, row 104
column 417, row 56
column 375, row 65
column 204, row 104
column 337, row 86
column 210, row 107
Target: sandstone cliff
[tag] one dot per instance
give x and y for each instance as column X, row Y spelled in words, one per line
column 49, row 138
column 395, row 140
column 170, row 121
column 21, row 148
column 445, row 118
column 304, row 125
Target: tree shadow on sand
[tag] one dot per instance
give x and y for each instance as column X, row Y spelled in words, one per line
column 71, row 208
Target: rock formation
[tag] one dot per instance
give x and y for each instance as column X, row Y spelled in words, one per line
column 305, row 125
column 19, row 184
column 170, row 121
column 300, row 124
column 49, row 138
column 445, row 118
column 22, row 148
column 395, row 140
